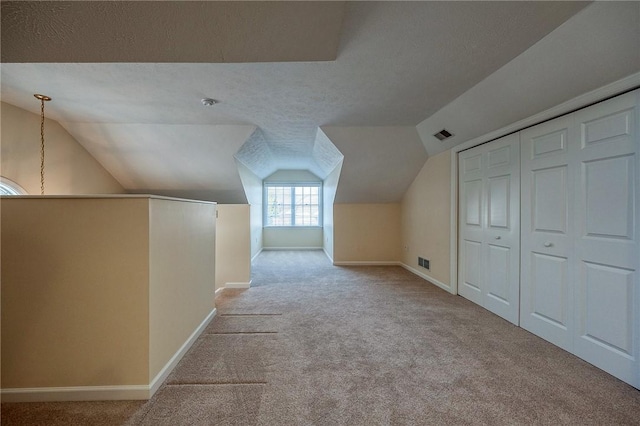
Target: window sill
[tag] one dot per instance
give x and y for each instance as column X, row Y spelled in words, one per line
column 292, row 227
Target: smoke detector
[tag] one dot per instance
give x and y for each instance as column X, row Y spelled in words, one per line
column 209, row 102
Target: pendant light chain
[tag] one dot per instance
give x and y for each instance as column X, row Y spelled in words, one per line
column 41, row 146
column 42, row 99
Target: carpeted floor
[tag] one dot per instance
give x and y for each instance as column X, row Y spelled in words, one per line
column 314, row 344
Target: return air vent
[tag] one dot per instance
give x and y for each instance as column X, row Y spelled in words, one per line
column 443, row 134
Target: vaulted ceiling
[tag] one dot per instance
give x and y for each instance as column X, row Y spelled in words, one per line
column 378, row 79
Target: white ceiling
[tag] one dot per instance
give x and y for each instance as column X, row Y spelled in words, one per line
column 397, row 64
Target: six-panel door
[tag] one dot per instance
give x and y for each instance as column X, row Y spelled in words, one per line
column 489, row 244
column 579, row 239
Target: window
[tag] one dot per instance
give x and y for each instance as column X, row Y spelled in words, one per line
column 293, row 204
column 9, row 187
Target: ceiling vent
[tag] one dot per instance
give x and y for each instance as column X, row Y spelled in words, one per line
column 443, row 134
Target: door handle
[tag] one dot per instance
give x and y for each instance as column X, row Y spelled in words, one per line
column 548, row 244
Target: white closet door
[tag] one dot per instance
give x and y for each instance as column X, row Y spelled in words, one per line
column 547, row 232
column 489, row 222
column 472, row 223
column 580, row 215
column 606, row 240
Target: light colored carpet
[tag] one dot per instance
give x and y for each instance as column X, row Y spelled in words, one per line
column 98, row 413
column 203, row 405
column 225, row 359
column 368, row 346
column 230, row 324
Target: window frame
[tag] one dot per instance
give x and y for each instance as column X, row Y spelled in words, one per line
column 12, row 187
column 291, row 185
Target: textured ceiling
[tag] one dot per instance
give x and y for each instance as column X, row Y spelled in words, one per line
column 397, row 64
column 170, row 31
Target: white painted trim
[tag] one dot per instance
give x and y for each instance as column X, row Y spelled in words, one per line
column 76, row 393
column 256, row 255
column 291, row 248
column 219, row 291
column 110, row 196
column 327, row 253
column 13, row 186
column 105, row 393
column 168, row 368
column 237, row 285
column 427, row 277
column 367, row 263
column 453, row 225
column 584, row 100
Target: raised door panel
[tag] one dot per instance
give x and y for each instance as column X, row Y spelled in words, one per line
column 471, row 277
column 472, row 195
column 499, row 273
column 498, row 202
column 548, row 293
column 549, row 200
column 609, row 182
column 607, row 308
column 471, row 163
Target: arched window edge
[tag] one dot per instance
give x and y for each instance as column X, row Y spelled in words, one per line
column 9, row 187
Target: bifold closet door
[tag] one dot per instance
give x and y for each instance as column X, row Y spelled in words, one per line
column 607, row 289
column 489, row 246
column 546, row 292
column 580, row 208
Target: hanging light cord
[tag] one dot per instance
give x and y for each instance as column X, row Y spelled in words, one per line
column 41, row 146
column 42, row 98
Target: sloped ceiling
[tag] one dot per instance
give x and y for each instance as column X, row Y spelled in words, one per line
column 395, row 65
column 370, row 153
column 168, row 159
column 598, row 47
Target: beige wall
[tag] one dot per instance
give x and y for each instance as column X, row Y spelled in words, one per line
column 74, row 292
column 426, row 218
column 233, row 244
column 101, row 291
column 182, row 244
column 282, row 238
column 366, row 232
column 69, row 168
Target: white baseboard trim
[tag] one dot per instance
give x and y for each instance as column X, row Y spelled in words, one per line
column 290, row 248
column 169, row 366
column 367, row 263
column 219, row 291
column 256, row 255
column 238, row 285
column 105, row 393
column 427, row 277
column 76, row 393
column 327, row 253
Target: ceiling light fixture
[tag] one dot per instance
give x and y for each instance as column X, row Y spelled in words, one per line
column 43, row 99
column 209, row 102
